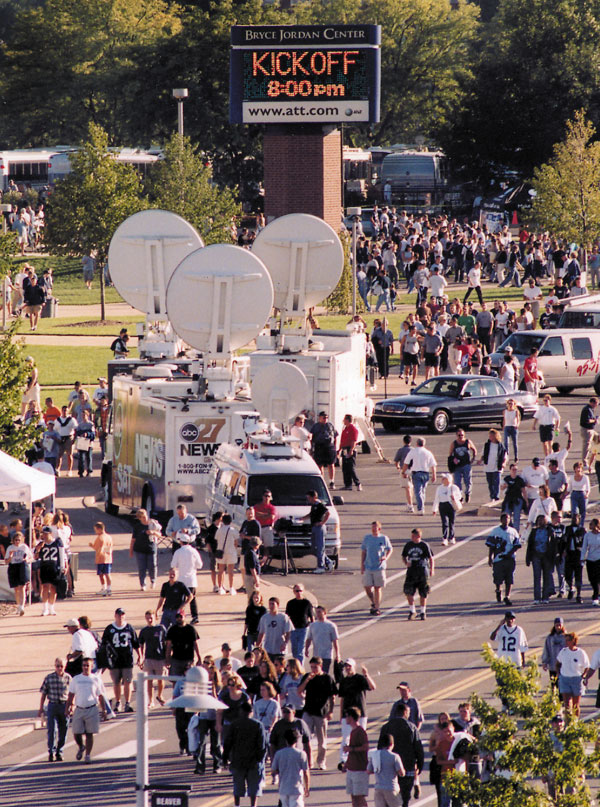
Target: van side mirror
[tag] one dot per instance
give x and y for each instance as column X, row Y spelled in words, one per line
column 545, row 353
column 236, row 499
column 337, row 500
column 466, row 394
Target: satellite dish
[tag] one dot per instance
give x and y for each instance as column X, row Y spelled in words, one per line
column 279, row 392
column 304, row 257
column 143, row 254
column 219, row 299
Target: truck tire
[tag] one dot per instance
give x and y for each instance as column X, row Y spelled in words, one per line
column 597, row 385
column 148, row 503
column 565, row 390
column 109, row 508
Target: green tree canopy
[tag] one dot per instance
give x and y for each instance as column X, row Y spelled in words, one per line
column 183, row 184
column 567, row 201
column 15, row 438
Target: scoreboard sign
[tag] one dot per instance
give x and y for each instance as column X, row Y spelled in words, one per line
column 304, row 74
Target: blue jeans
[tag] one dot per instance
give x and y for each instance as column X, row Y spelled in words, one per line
column 207, row 730
column 384, row 298
column 511, row 276
column 56, row 717
column 511, row 432
column 447, row 515
column 168, row 618
column 463, row 475
column 84, row 461
column 147, row 565
column 515, row 513
column 318, row 544
column 493, row 480
column 420, row 480
column 560, row 571
column 578, row 505
column 543, row 581
column 297, row 640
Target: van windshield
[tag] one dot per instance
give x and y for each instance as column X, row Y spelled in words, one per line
column 289, row 490
column 522, row 342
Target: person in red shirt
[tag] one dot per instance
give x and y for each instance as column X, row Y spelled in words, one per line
column 52, row 412
column 347, row 451
column 266, row 514
column 530, row 372
column 357, row 777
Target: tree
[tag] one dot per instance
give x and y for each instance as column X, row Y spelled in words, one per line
column 89, row 204
column 182, row 183
column 567, row 200
column 15, row 438
column 520, row 745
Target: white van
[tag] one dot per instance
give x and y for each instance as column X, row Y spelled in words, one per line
column 568, row 358
column 240, row 475
column 581, row 313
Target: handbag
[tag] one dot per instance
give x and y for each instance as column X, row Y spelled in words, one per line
column 83, row 443
column 219, row 553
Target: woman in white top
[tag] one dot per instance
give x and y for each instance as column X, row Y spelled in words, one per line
column 19, row 558
column 447, row 501
column 579, row 488
column 511, row 420
column 533, row 294
column 227, row 538
column 572, row 664
column 543, row 506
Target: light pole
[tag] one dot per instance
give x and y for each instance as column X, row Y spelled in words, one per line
column 196, row 698
column 180, row 95
column 356, row 213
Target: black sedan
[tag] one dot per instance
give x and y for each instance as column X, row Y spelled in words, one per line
column 452, row 400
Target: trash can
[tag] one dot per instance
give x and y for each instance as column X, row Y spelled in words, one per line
column 50, row 308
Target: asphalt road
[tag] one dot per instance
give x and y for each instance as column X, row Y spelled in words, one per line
column 440, row 658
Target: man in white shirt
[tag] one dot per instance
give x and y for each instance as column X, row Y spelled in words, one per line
column 85, row 696
column 512, row 641
column 65, row 426
column 548, row 420
column 101, row 390
column 83, row 642
column 572, row 665
column 187, row 561
column 423, row 467
column 534, row 475
column 437, row 282
column 300, row 432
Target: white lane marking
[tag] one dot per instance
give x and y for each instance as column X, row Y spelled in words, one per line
column 401, row 573
column 403, row 603
column 125, row 750
column 38, row 757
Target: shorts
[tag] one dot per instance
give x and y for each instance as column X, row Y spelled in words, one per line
column 546, row 433
column 432, row 360
column 410, row 359
column 48, row 573
column 33, row 309
column 291, row 801
column 154, row 666
column 386, row 798
column 18, row 574
column 570, row 685
column 503, row 571
column 103, row 568
column 412, row 586
column 86, row 721
column 324, row 454
column 267, row 537
column 406, row 482
column 230, row 559
column 253, row 777
column 88, row 274
column 357, row 783
column 374, row 578
column 65, row 447
column 119, row 674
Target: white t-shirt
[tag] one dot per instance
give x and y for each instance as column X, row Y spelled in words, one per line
column 573, row 662
column 582, row 484
column 187, row 561
column 474, row 278
column 547, row 416
column 559, row 456
column 437, row 284
column 534, row 478
column 87, row 689
column 422, row 459
column 84, row 642
column 532, row 292
column 302, row 434
column 511, row 643
column 491, row 465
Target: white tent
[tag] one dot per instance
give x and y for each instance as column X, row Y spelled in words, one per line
column 21, row 483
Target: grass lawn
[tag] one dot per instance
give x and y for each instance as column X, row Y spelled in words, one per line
column 69, row 287
column 65, row 365
column 73, row 326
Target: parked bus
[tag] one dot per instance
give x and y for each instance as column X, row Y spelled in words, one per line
column 25, row 167
column 417, row 178
column 60, row 164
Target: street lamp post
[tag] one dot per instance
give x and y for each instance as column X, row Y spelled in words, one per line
column 196, row 698
column 180, row 95
column 355, row 213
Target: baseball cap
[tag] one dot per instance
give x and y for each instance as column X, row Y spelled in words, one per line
column 288, row 708
column 536, row 460
column 558, row 620
column 71, row 623
column 46, row 529
column 225, row 646
column 510, row 615
column 508, row 349
column 349, row 662
column 101, row 378
column 120, row 611
column 404, row 684
column 322, row 414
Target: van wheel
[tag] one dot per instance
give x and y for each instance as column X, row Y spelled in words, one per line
column 148, row 502
column 336, row 560
column 597, row 385
column 109, row 508
column 565, row 390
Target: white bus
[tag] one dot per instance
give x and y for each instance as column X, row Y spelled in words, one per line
column 25, row 167
column 60, row 164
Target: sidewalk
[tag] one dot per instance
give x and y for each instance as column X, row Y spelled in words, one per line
column 32, row 642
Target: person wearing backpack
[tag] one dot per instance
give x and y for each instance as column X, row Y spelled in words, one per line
column 119, row 346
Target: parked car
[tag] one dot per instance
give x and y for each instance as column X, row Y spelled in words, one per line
column 451, row 400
